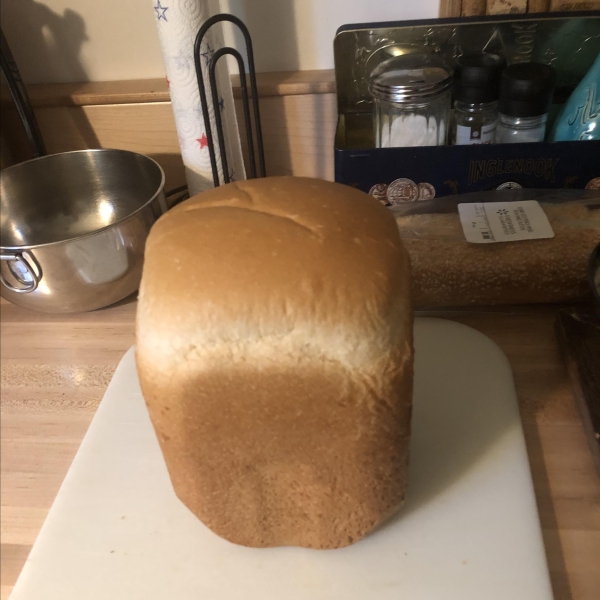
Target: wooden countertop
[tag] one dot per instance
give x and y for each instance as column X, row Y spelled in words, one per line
column 55, row 369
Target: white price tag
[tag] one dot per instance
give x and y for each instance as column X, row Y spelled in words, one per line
column 489, row 222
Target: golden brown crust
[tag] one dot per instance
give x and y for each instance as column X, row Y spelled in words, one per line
column 274, row 348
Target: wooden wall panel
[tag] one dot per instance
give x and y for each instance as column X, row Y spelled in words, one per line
column 144, row 128
column 298, row 133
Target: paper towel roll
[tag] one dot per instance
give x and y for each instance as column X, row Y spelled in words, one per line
column 178, row 22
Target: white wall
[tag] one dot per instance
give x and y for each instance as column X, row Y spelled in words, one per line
column 298, row 34
column 101, row 40
column 82, row 40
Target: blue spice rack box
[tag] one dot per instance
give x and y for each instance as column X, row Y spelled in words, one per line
column 570, row 43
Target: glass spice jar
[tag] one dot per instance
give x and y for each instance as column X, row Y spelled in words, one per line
column 476, row 103
column 411, row 101
column 526, row 93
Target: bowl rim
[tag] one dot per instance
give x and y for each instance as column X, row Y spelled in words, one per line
column 158, row 192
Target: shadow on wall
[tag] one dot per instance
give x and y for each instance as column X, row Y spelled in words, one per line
column 272, row 26
column 46, row 45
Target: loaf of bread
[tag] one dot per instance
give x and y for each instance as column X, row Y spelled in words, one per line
column 274, row 351
column 449, row 271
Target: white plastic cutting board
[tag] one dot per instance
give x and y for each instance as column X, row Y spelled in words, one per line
column 468, row 531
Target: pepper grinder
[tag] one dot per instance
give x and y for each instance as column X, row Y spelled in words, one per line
column 526, row 91
column 476, row 104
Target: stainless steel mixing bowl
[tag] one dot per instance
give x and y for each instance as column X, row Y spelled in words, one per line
column 73, row 228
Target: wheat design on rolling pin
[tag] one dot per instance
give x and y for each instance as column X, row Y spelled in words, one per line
column 178, row 22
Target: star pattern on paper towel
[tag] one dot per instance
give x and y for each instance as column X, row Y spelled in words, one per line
column 203, row 141
column 181, row 60
column 208, row 53
column 222, row 104
column 160, row 11
column 197, row 110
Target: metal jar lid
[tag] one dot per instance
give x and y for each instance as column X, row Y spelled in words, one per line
column 411, row 79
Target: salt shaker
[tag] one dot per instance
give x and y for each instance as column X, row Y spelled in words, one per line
column 476, row 104
column 526, row 91
column 411, row 101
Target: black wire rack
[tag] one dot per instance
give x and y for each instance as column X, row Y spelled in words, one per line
column 20, row 98
column 253, row 149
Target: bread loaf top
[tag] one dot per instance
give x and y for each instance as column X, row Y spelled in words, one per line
column 283, row 259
